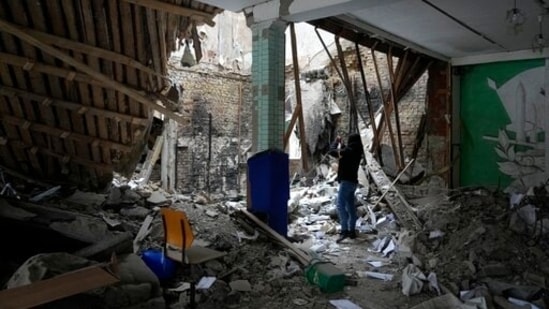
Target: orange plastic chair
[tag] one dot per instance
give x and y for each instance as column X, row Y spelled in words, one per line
column 179, row 237
column 178, row 240
column 178, row 233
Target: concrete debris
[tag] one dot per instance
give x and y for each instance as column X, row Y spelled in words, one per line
column 157, row 198
column 477, row 248
column 135, row 212
column 84, row 229
column 86, row 198
column 240, row 286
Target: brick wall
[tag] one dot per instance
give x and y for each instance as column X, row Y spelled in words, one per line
column 411, row 107
column 219, row 94
column 227, row 97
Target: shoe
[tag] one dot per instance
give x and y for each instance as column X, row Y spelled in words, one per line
column 352, row 234
column 343, row 235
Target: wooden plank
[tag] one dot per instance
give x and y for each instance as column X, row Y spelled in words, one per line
column 11, row 156
column 36, row 15
column 103, row 39
column 394, row 102
column 83, row 88
column 402, row 210
column 72, row 106
column 145, row 81
column 58, row 287
column 162, row 20
column 291, row 126
column 172, row 27
column 302, row 257
column 121, row 101
column 10, row 45
column 63, row 157
column 98, row 93
column 26, row 177
column 140, row 19
column 177, row 10
column 302, row 136
column 91, row 50
column 130, row 51
column 152, row 23
column 64, row 134
column 150, row 160
column 385, row 107
column 10, row 131
column 93, row 78
column 366, row 93
column 353, row 119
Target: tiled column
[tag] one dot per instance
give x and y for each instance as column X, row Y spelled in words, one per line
column 268, row 52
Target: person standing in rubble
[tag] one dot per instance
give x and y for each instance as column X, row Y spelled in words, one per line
column 349, row 157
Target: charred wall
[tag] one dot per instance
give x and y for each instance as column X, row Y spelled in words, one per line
column 212, row 146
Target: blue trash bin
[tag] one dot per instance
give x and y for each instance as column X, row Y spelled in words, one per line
column 269, row 188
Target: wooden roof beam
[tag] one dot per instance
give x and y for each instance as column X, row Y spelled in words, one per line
column 72, row 106
column 89, row 50
column 171, row 8
column 63, row 158
column 105, row 81
column 25, row 124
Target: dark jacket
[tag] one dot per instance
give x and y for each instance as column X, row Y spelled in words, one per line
column 349, row 158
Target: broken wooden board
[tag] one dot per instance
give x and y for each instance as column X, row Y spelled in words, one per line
column 398, row 204
column 303, row 257
column 58, row 287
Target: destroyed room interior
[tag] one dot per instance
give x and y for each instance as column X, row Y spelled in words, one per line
column 214, row 154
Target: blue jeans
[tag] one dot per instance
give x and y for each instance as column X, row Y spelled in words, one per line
column 346, row 205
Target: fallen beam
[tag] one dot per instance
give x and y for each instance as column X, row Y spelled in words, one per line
column 150, row 161
column 398, row 204
column 302, row 257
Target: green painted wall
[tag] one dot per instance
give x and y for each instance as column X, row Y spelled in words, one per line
column 493, row 152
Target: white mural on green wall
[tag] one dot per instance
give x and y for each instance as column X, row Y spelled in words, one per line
column 521, row 144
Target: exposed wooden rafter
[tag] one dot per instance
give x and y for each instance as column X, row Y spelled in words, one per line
column 177, row 10
column 63, row 158
column 89, row 50
column 72, row 106
column 24, row 124
column 106, row 81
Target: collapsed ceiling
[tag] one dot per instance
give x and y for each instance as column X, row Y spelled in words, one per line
column 79, row 81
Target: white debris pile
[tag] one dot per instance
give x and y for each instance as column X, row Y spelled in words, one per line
column 487, row 248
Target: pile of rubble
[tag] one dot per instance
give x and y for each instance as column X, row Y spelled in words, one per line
column 476, row 249
column 486, row 245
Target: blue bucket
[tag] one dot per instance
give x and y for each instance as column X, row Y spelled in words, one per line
column 163, row 267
